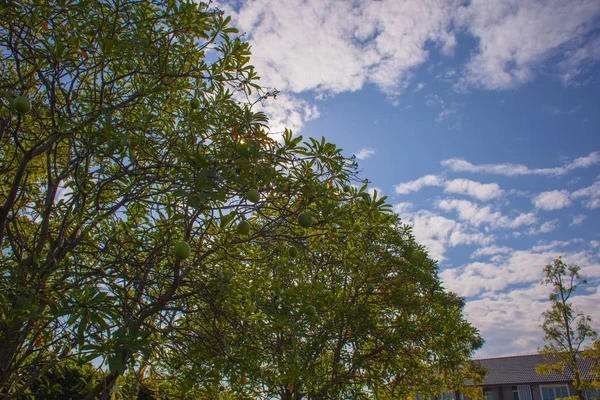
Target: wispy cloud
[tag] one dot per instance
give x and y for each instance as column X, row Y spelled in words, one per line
column 590, row 195
column 555, row 244
column 462, row 165
column 448, row 113
column 556, row 110
column 418, row 184
column 545, row 227
column 577, row 220
column 364, row 153
column 578, row 61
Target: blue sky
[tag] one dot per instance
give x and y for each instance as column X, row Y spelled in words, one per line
column 479, row 119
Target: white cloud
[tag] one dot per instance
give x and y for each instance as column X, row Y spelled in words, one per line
column 333, row 46
column 519, row 267
column 481, row 191
column 546, row 227
column 287, row 112
column 437, row 233
column 590, row 194
column 461, row 165
column 462, row 236
column 476, row 216
column 365, row 153
column 515, row 37
column 490, row 251
column 432, row 231
column 555, row 244
column 553, row 200
column 577, row 220
column 478, row 190
column 579, row 60
column 418, row 184
column 402, row 207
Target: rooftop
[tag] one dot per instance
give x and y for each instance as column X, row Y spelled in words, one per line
column 521, row 369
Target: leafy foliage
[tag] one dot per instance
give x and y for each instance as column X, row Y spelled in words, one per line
column 64, row 381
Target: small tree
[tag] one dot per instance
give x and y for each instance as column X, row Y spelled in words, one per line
column 565, row 330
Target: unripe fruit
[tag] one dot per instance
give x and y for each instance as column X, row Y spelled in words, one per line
column 195, row 103
column 293, row 252
column 244, row 228
column 311, row 311
column 195, row 200
column 181, row 250
column 22, row 104
column 253, row 195
column 305, row 220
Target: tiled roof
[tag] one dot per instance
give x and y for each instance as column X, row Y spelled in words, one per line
column 521, row 369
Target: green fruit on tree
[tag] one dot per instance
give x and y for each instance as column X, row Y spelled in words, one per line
column 22, row 104
column 311, row 311
column 293, row 251
column 244, row 228
column 347, row 189
column 195, row 103
column 181, row 250
column 194, row 200
column 253, row 195
column 305, row 220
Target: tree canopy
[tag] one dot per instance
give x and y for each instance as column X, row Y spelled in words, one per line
column 151, row 225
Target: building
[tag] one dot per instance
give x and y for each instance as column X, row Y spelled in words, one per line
column 515, row 378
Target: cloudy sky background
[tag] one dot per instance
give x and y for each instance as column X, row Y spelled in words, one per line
column 479, row 119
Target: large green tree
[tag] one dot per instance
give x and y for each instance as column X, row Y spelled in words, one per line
column 135, row 141
column 566, row 330
column 128, row 127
